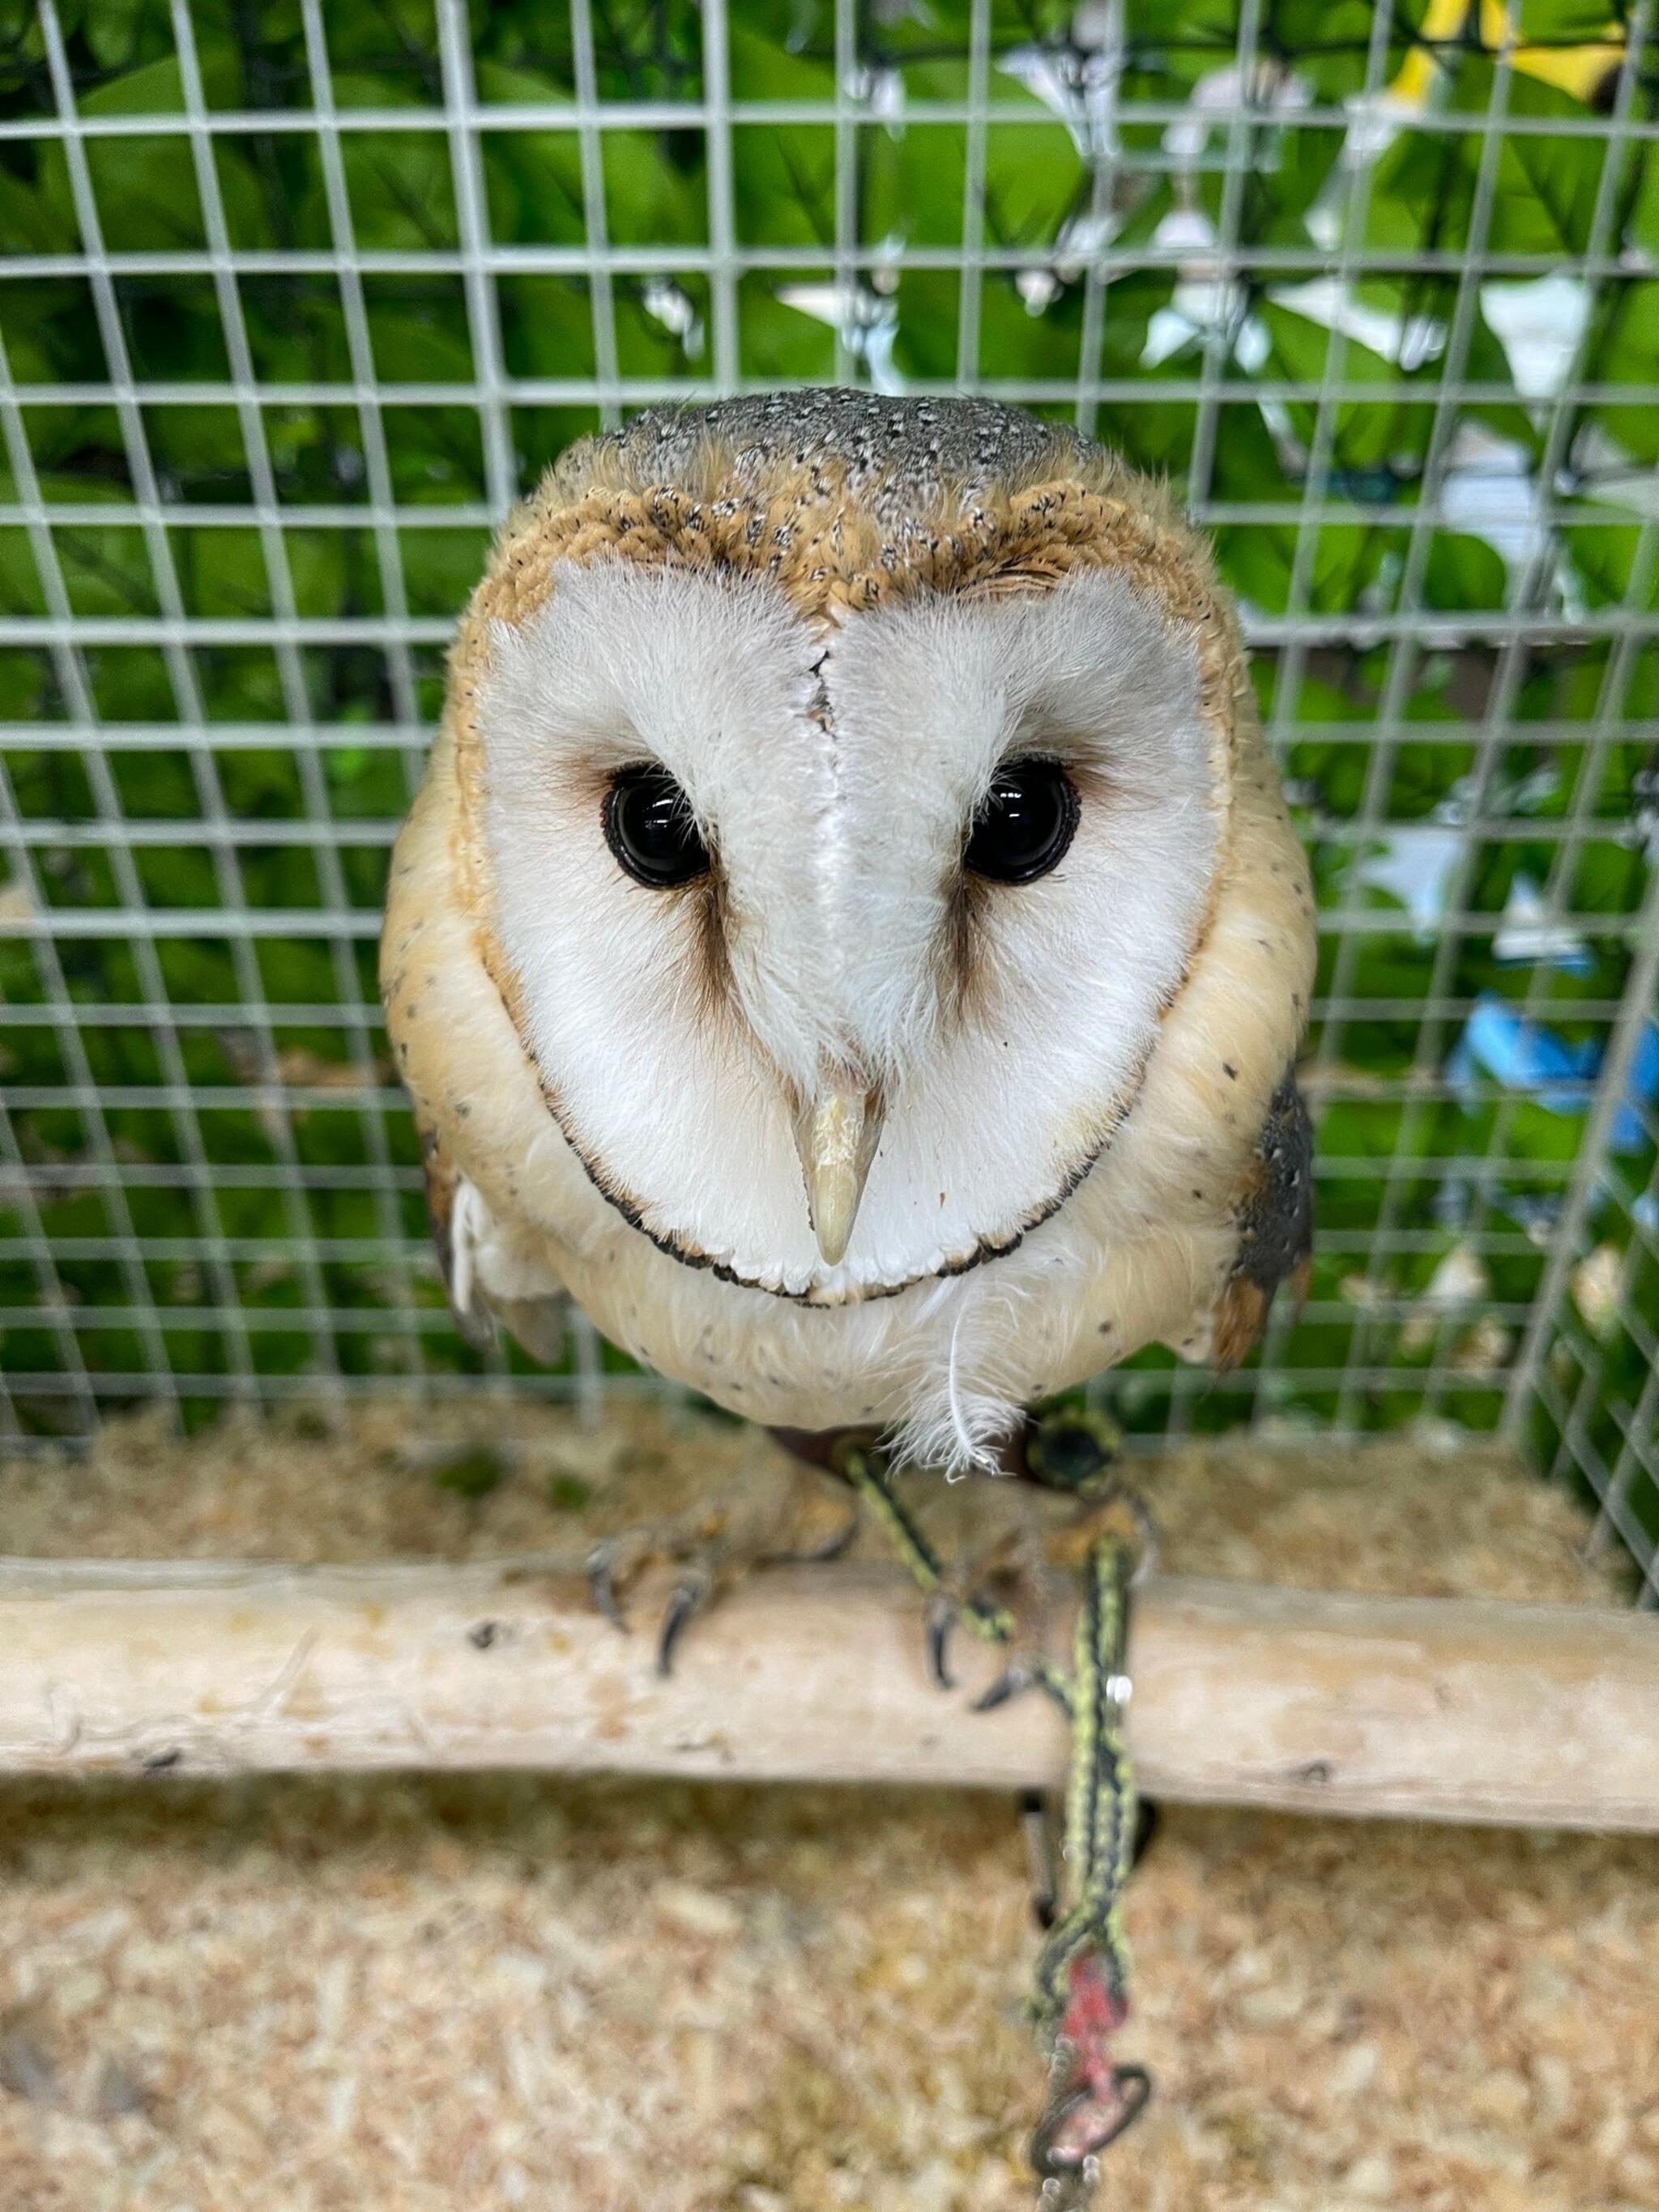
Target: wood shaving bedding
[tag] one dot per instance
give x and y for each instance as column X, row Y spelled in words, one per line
column 472, row 1992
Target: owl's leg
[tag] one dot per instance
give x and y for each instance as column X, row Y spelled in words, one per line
column 1073, row 1450
column 793, row 1519
column 980, row 1610
column 977, row 1599
column 1069, row 1450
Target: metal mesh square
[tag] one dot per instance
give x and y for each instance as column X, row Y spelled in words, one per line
column 294, row 305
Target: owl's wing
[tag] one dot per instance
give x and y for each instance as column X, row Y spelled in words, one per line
column 1272, row 1207
column 477, row 1107
column 485, row 1277
column 447, row 1192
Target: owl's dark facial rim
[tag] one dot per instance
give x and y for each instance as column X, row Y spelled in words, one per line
column 651, row 829
column 825, row 1298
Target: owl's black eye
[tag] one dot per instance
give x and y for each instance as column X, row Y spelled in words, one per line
column 1028, row 820
column 648, row 825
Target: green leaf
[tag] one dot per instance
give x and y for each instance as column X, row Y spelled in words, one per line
column 1424, row 190
column 911, row 185
column 547, row 326
column 1545, row 185
column 779, row 344
column 20, row 581
column 1327, row 42
column 401, row 188
column 1034, row 178
column 1463, row 572
column 155, row 89
column 32, row 222
column 1362, row 431
column 1627, row 352
column 1604, row 557
column 105, row 571
column 783, row 184
column 773, row 55
column 421, row 339
column 656, row 188
column 1016, row 341
column 534, row 183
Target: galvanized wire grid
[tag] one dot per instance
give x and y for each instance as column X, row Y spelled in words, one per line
column 226, row 584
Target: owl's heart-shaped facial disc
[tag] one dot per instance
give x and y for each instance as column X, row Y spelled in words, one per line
column 839, row 948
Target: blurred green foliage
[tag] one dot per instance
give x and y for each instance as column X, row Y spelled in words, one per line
column 242, row 1198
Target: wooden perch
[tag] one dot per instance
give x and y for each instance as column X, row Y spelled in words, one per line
column 1537, row 1715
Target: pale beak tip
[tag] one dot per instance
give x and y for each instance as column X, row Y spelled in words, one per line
column 833, row 1238
column 836, row 1136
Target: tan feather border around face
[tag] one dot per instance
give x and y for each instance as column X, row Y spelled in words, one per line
column 812, row 537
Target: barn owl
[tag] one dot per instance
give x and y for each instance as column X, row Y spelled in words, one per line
column 850, row 938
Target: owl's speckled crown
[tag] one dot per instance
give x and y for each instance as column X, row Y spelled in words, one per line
column 906, row 462
column 849, row 499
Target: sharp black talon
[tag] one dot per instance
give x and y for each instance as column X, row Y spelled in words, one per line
column 1013, row 1682
column 601, row 1570
column 1040, row 1854
column 1016, row 1678
column 690, row 1593
column 941, row 1618
column 1008, row 1684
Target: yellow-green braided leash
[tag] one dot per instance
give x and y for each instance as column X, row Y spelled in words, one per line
column 1082, row 1979
column 1081, row 1976
column 1100, row 1793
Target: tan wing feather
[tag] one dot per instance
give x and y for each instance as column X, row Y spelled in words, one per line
column 466, row 1069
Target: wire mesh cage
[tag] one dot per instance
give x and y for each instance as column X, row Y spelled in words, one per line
column 295, row 303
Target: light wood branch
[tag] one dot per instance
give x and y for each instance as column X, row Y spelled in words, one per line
column 1536, row 1714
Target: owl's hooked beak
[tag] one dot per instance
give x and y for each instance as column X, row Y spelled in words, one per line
column 837, row 1135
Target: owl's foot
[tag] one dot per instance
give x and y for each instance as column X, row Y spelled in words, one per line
column 1000, row 1595
column 1036, row 1562
column 1004, row 1600
column 1073, row 1450
column 793, row 1519
column 982, row 1599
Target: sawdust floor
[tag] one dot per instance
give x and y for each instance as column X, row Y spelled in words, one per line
column 444, row 1994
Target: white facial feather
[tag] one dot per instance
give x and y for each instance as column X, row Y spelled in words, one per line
column 835, row 779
